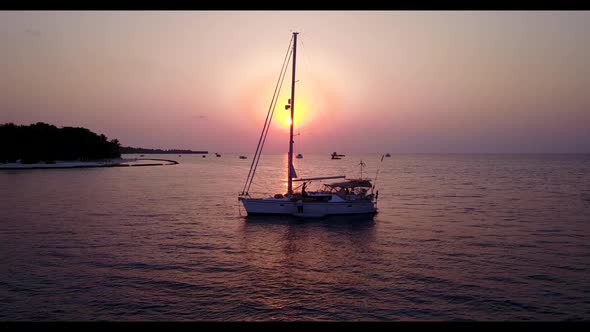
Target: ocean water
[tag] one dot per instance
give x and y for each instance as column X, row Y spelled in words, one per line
column 457, row 237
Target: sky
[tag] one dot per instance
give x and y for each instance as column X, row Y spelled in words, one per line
column 369, row 81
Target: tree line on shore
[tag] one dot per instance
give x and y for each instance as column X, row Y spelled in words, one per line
column 42, row 142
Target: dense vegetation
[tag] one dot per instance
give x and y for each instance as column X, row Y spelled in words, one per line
column 130, row 150
column 43, row 142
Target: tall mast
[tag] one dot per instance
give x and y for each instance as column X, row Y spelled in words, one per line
column 290, row 166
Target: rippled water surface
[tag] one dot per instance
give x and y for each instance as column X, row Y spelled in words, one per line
column 484, row 237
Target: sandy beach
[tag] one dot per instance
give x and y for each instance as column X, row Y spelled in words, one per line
column 65, row 164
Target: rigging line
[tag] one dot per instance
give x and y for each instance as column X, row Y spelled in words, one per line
column 265, row 130
column 271, row 112
column 267, row 115
column 285, row 61
column 379, row 168
column 284, row 66
column 268, row 127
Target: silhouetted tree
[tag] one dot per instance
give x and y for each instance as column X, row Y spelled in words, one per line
column 45, row 142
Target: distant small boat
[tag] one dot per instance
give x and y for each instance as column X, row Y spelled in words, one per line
column 204, row 156
column 217, row 155
column 243, row 157
column 141, row 155
column 336, row 155
column 388, row 155
column 180, row 155
column 299, row 156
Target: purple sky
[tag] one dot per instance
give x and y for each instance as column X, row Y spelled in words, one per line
column 382, row 81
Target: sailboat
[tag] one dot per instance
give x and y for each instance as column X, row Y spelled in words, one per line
column 335, row 155
column 346, row 197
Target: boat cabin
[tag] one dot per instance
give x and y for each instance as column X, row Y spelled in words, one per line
column 350, row 190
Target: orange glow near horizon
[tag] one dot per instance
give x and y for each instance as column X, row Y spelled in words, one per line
column 315, row 103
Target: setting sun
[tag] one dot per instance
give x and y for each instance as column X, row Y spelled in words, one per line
column 303, row 114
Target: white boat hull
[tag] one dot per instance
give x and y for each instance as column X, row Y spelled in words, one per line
column 270, row 206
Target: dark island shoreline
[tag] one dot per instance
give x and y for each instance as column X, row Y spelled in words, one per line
column 42, row 142
column 44, row 146
column 132, row 150
column 88, row 164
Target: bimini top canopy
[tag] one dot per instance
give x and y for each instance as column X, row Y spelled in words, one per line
column 352, row 183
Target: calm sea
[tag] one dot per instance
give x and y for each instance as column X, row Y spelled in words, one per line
column 457, row 237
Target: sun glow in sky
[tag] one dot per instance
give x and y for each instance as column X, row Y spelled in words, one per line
column 393, row 81
column 288, row 121
column 304, row 115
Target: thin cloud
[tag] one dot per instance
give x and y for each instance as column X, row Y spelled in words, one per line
column 33, row 32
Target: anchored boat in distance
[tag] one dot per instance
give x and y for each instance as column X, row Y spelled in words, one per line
column 336, row 155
